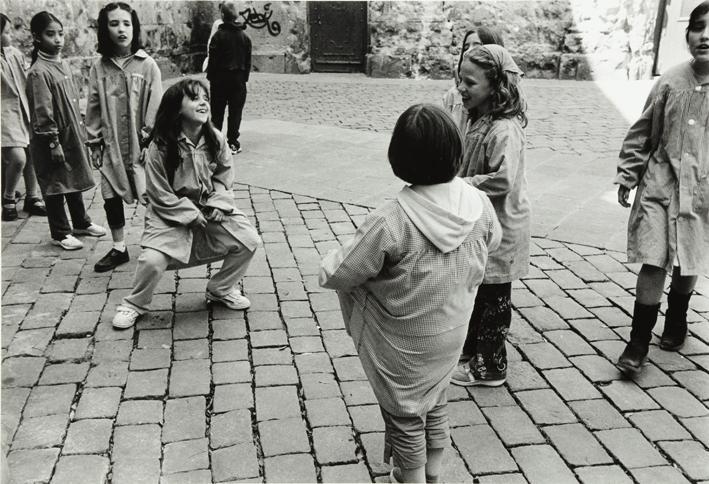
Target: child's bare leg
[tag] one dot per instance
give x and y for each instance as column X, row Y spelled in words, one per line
column 437, row 438
column 417, row 474
column 434, row 462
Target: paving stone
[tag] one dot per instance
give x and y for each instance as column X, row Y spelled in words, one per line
column 586, row 271
column 545, row 407
column 593, row 329
column 99, row 403
column 21, row 371
column 523, row 298
column 611, row 316
column 566, row 307
column 189, row 477
column 271, row 436
column 235, row 462
column 678, row 401
column 73, row 350
column 599, row 414
column 699, row 427
column 367, row 418
column 273, row 375
column 327, row 412
column 658, row 425
column 186, row 455
column 358, row 393
column 691, row 456
column 570, row 343
column 543, row 287
column 346, row 473
column 513, row 426
column 184, row 419
column 541, row 463
column 142, row 384
column 544, row 356
column 32, row 465
column 373, row 445
column 81, row 469
column 190, row 377
column 349, row 368
column 110, row 374
column 12, row 401
column 490, row 396
column 630, row 448
column 46, row 431
column 137, row 412
column 302, row 327
column 464, row 413
column 150, row 358
column 230, row 428
column 612, row 474
column 47, row 400
column 338, row 343
column 669, row 360
column 263, row 339
column 277, row 402
column 272, row 356
column 482, row 450
column 228, row 329
column 155, row 338
column 334, row 445
column 543, row 319
column 231, row 372
column 577, row 446
column 264, row 320
column 589, row 298
column 652, row 376
column 32, row 342
column 627, row 396
column 232, row 397
column 254, row 284
column 191, row 349
column 64, row 373
column 107, row 351
column 155, row 320
column 330, row 319
column 664, row 474
column 90, row 436
column 565, row 279
column 511, row 478
column 313, row 363
column 571, row 384
column 290, row 468
column 307, row 344
column 596, row 368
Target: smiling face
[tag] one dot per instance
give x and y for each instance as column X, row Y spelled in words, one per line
column 120, row 30
column 698, row 39
column 195, row 111
column 474, row 87
column 51, row 40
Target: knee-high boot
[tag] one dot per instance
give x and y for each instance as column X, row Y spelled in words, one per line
column 675, row 331
column 644, row 319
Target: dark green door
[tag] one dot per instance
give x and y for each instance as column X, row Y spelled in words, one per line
column 338, row 36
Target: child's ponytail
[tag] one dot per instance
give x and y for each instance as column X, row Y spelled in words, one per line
column 38, row 24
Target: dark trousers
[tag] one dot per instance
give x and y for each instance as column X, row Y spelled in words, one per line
column 114, row 212
column 59, row 225
column 228, row 90
column 487, row 332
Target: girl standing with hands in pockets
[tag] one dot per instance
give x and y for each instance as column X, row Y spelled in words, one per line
column 666, row 156
column 494, row 162
column 124, row 93
column 57, row 145
column 191, row 218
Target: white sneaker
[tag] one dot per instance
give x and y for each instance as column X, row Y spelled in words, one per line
column 232, row 300
column 125, row 317
column 69, row 243
column 93, row 230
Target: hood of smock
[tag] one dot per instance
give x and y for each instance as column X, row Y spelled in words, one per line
column 444, row 213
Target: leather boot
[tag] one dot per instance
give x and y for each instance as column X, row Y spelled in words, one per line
column 675, row 331
column 633, row 357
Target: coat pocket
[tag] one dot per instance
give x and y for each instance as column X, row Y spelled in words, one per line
column 700, row 199
column 659, row 183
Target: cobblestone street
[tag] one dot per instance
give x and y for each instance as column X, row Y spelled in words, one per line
column 199, row 394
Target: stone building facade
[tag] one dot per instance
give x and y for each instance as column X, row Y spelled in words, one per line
column 567, row 39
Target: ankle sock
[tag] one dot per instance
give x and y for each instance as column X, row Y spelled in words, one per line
column 120, row 246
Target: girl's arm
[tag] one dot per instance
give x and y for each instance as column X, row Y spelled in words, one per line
column 223, row 178
column 503, row 151
column 154, row 97
column 93, row 111
column 360, row 259
column 163, row 200
column 43, row 123
column 638, row 145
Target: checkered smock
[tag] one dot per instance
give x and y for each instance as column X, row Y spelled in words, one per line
column 407, row 304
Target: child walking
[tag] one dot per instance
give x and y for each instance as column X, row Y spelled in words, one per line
column 494, row 162
column 666, row 156
column 228, row 71
column 57, row 145
column 452, row 101
column 191, row 218
column 15, row 116
column 124, row 92
column 406, row 284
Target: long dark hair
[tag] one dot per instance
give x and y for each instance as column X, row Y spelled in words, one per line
column 4, row 20
column 699, row 11
column 105, row 47
column 507, row 98
column 168, row 123
column 37, row 25
column 486, row 35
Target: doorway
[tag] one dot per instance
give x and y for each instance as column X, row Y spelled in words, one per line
column 338, row 36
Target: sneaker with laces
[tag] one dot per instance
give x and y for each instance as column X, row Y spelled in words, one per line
column 93, row 230
column 69, row 243
column 125, row 317
column 463, row 376
column 232, row 300
column 113, row 259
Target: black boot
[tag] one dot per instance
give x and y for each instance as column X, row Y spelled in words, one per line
column 675, row 331
column 633, row 357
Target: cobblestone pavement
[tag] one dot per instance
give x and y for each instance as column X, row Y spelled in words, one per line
column 276, row 394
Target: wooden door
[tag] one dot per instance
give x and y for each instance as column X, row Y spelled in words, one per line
column 338, row 36
column 673, row 46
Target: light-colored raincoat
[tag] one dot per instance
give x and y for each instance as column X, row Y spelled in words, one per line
column 14, row 108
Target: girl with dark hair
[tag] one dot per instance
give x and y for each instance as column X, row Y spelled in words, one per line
column 58, row 135
column 666, row 156
column 452, row 101
column 125, row 87
column 191, row 218
column 494, row 162
column 15, row 128
column 407, row 282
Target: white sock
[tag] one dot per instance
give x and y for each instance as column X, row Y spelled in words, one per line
column 120, row 246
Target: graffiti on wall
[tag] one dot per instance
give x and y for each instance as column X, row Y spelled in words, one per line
column 257, row 20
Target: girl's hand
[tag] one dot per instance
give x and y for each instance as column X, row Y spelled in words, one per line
column 57, row 154
column 623, row 194
column 216, row 216
column 97, row 156
column 199, row 222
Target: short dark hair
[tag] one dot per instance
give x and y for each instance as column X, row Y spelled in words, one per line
column 698, row 11
column 229, row 11
column 105, row 47
column 425, row 147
